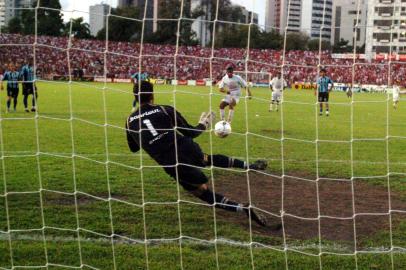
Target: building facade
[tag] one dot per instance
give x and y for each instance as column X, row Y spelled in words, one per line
column 350, row 21
column 97, row 17
column 248, row 16
column 12, row 8
column 282, row 13
column 386, row 27
column 313, row 17
column 202, row 25
column 316, row 19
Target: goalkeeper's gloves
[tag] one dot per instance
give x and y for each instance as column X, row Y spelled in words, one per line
column 207, row 118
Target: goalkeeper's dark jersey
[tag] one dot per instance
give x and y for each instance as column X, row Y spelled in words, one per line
column 151, row 128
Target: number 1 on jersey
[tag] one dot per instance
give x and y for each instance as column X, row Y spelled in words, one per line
column 150, row 127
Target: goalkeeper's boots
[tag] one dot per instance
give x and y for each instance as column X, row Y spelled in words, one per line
column 255, row 215
column 259, row 165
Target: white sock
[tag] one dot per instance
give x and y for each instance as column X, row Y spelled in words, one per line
column 271, row 107
column 222, row 114
column 230, row 115
column 240, row 208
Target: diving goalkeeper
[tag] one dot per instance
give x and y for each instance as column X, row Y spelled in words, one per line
column 167, row 137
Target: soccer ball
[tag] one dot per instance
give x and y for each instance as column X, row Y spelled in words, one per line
column 222, row 129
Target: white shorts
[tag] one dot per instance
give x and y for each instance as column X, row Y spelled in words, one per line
column 276, row 96
column 395, row 97
column 229, row 98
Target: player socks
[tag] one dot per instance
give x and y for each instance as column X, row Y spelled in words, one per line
column 8, row 104
column 230, row 115
column 221, row 201
column 25, row 101
column 15, row 104
column 222, row 114
column 225, row 162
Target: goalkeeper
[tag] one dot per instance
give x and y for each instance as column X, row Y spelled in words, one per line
column 167, row 137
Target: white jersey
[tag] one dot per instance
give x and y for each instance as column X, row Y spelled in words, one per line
column 233, row 84
column 396, row 93
column 278, row 84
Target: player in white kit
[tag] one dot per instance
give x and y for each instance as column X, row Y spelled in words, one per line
column 277, row 85
column 396, row 93
column 231, row 84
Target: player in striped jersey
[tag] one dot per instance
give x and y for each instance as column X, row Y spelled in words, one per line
column 135, row 79
column 29, row 87
column 12, row 76
column 324, row 86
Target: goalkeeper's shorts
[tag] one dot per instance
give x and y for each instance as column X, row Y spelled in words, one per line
column 188, row 169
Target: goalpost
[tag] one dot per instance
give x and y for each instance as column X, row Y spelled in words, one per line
column 73, row 197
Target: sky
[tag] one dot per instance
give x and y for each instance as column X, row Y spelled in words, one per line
column 82, row 7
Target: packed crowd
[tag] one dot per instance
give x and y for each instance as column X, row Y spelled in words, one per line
column 61, row 55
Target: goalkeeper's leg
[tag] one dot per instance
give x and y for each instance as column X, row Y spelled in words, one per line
column 229, row 162
column 222, row 202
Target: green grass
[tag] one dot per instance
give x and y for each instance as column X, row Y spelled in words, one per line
column 102, row 161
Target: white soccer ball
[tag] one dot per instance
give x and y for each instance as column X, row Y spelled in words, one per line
column 222, row 129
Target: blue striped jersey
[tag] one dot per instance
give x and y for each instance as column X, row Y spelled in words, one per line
column 12, row 78
column 323, row 84
column 27, row 73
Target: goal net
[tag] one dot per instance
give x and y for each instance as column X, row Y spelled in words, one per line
column 73, row 195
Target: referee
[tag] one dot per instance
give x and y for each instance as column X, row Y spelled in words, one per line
column 324, row 86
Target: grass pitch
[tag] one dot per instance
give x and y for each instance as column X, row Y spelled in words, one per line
column 70, row 168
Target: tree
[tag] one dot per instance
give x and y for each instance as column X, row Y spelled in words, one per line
column 49, row 19
column 296, row 41
column 14, row 26
column 235, row 36
column 261, row 39
column 121, row 28
column 28, row 21
column 80, row 29
column 342, row 47
column 167, row 30
column 314, row 45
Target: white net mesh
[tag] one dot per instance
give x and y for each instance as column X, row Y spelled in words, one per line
column 73, row 196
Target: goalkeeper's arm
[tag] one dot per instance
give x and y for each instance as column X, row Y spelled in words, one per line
column 132, row 144
column 184, row 127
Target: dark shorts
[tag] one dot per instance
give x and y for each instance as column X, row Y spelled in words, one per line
column 29, row 88
column 12, row 92
column 323, row 96
column 191, row 159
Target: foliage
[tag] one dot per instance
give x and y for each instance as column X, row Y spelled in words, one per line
column 80, row 29
column 122, row 29
column 167, row 30
column 314, row 45
column 296, row 41
column 342, row 47
column 49, row 19
column 14, row 26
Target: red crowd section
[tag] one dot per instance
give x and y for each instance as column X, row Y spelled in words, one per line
column 60, row 55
